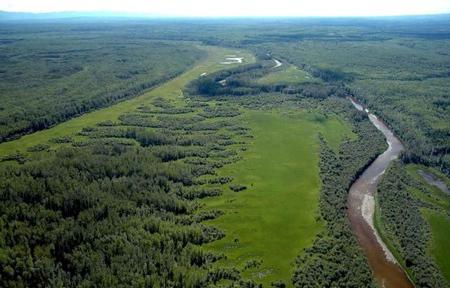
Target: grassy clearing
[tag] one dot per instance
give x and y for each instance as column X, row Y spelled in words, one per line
column 437, row 218
column 288, row 75
column 436, row 196
column 171, row 89
column 276, row 217
column 440, row 248
column 413, row 168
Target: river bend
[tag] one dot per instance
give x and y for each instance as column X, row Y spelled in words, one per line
column 361, row 206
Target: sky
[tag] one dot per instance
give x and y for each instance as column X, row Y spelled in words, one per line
column 238, row 8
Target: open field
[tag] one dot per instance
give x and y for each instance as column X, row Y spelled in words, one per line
column 415, row 67
column 277, row 216
column 171, row 89
column 435, row 197
column 410, row 208
column 438, row 218
column 440, row 248
column 288, row 75
column 153, row 156
column 46, row 79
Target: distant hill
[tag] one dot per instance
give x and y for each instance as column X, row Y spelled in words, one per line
column 19, row 16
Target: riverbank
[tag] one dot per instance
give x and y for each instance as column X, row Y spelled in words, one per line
column 277, row 215
column 386, row 271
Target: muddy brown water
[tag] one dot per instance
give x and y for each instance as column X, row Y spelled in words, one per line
column 361, row 206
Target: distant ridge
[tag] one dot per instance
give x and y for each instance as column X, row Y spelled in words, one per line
column 17, row 16
column 27, row 16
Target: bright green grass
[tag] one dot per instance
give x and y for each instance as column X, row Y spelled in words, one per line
column 276, row 217
column 437, row 197
column 288, row 75
column 171, row 89
column 431, row 199
column 440, row 243
column 438, row 220
column 415, row 167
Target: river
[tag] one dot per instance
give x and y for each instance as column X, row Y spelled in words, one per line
column 277, row 63
column 361, row 206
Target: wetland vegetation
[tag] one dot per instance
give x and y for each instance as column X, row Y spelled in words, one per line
column 47, row 78
column 132, row 155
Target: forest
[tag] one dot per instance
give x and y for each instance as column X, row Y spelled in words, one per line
column 333, row 258
column 143, row 176
column 397, row 67
column 48, row 77
column 404, row 200
column 118, row 208
column 127, row 193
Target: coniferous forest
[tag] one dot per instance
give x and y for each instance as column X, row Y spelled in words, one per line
column 140, row 153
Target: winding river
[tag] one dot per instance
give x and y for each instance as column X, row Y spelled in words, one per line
column 361, row 206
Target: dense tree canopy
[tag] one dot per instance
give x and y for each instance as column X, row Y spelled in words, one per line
column 46, row 79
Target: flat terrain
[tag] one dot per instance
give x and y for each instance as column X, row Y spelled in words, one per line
column 288, row 75
column 49, row 78
column 412, row 218
column 416, row 67
column 121, row 180
column 438, row 218
column 170, row 89
column 435, row 197
column 440, row 248
column 276, row 217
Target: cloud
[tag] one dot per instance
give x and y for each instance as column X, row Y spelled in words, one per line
column 237, row 7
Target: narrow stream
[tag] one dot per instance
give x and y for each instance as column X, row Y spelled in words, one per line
column 361, row 206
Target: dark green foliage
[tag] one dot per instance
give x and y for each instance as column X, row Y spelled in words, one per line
column 119, row 207
column 404, row 81
column 110, row 212
column 14, row 157
column 38, row 148
column 402, row 220
column 60, row 140
column 278, row 284
column 237, row 187
column 48, row 78
column 207, row 86
column 329, row 75
column 243, row 82
column 335, row 260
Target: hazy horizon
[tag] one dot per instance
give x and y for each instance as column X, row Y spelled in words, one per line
column 235, row 8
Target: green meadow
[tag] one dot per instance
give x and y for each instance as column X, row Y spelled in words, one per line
column 288, row 75
column 436, row 197
column 438, row 217
column 171, row 89
column 268, row 224
column 440, row 248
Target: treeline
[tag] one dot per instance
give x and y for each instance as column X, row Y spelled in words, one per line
column 424, row 144
column 35, row 120
column 119, row 208
column 404, row 226
column 242, row 82
column 335, row 260
column 404, row 82
column 48, row 78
